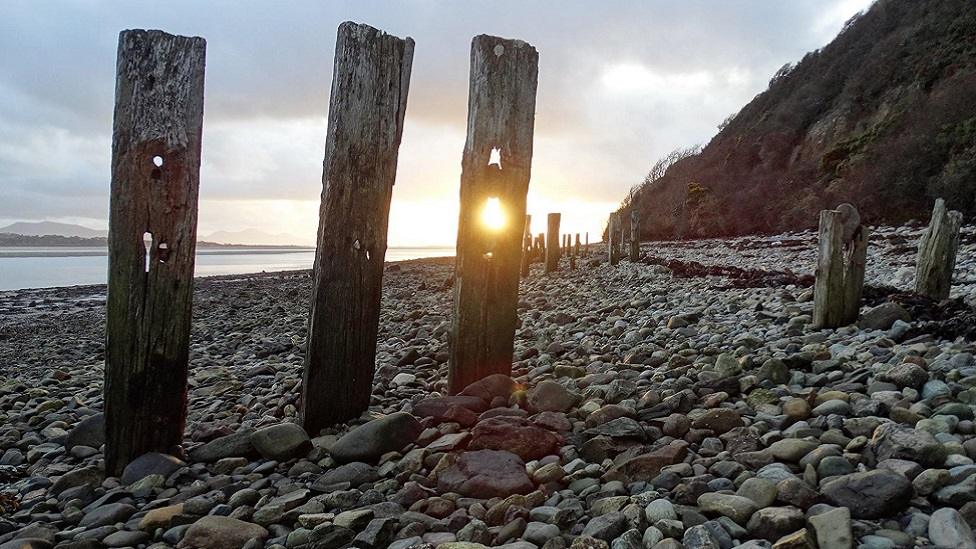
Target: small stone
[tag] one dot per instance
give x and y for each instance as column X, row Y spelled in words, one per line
column 217, row 532
column 153, row 463
column 550, row 396
column 947, row 528
column 870, row 495
column 281, row 442
column 833, row 528
column 737, row 508
column 368, row 442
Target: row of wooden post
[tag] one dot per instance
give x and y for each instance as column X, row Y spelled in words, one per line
column 154, row 193
column 842, row 259
column 155, row 183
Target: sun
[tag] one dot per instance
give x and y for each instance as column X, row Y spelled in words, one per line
column 493, row 215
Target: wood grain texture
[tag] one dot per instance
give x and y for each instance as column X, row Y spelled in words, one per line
column 366, row 112
column 840, row 272
column 552, row 244
column 158, row 114
column 937, row 249
column 501, row 114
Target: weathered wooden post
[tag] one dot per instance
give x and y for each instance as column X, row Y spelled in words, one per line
column 586, row 248
column 576, row 249
column 613, row 238
column 842, row 254
column 155, row 184
column 571, row 251
column 552, row 244
column 501, row 115
column 541, row 239
column 370, row 81
column 634, row 235
column 527, row 247
column 937, row 253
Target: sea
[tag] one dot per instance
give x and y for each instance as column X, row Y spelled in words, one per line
column 52, row 267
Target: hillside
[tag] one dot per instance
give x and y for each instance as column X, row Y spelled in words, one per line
column 45, row 228
column 883, row 117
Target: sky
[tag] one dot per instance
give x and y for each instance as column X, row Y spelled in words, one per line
column 620, row 85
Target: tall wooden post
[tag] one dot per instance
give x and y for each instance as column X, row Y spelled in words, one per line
column 552, row 244
column 366, row 108
column 541, row 240
column 613, row 238
column 937, row 248
column 155, row 184
column 501, row 115
column 573, row 251
column 840, row 271
column 634, row 235
column 586, row 247
column 527, row 247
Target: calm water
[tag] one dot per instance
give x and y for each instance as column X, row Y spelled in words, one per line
column 52, row 267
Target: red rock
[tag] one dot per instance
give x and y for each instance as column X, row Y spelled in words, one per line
column 554, row 421
column 516, row 435
column 485, row 474
column 491, row 387
column 438, row 407
column 647, row 466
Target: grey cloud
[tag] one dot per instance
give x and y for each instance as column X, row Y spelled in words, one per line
column 270, row 62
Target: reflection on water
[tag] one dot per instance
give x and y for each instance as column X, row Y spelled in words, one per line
column 31, row 267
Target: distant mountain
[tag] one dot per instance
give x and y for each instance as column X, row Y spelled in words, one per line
column 50, row 233
column 883, row 117
column 257, row 237
column 44, row 228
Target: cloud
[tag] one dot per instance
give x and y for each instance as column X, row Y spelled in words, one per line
column 620, row 84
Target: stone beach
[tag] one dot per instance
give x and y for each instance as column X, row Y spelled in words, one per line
column 681, row 401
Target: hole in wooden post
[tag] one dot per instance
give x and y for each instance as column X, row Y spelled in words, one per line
column 493, row 215
column 158, row 162
column 367, row 255
column 163, row 252
column 147, row 243
column 495, row 157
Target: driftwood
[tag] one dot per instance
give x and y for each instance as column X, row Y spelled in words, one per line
column 553, row 247
column 937, row 253
column 840, row 271
column 155, row 185
column 501, row 115
column 366, row 109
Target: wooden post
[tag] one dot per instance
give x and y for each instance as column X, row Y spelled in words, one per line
column 527, row 247
column 501, row 115
column 613, row 238
column 937, row 253
column 634, row 235
column 573, row 251
column 552, row 243
column 370, row 81
column 586, row 248
column 155, row 184
column 840, row 271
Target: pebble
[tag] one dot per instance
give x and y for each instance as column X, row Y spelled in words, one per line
column 647, row 408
